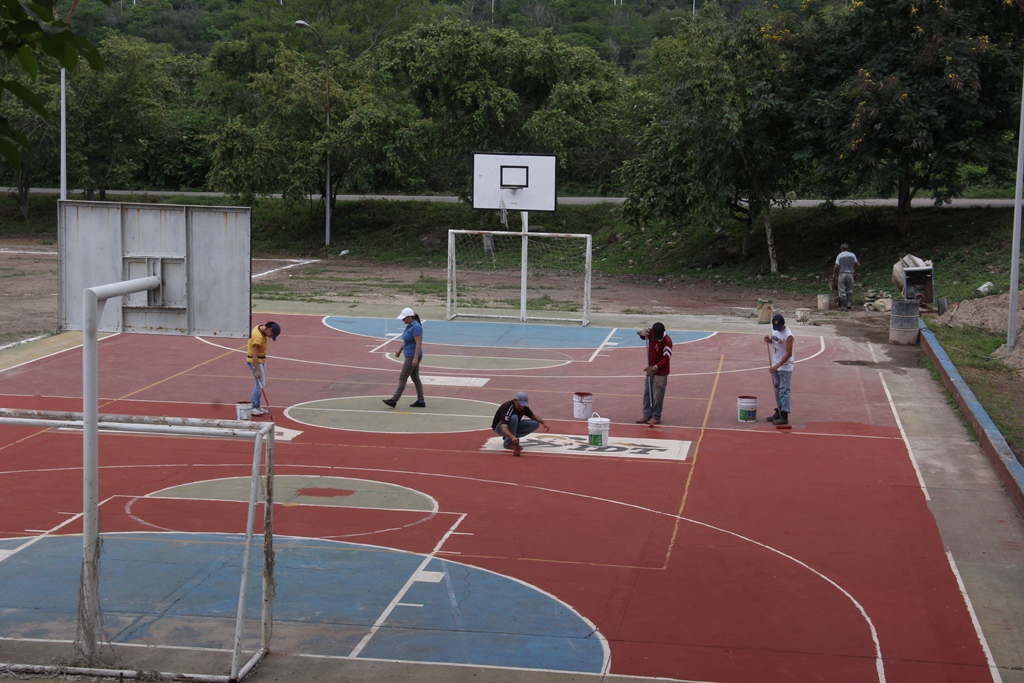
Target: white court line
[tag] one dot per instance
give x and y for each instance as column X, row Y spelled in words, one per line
column 906, row 440
column 291, row 265
column 44, row 534
column 415, row 577
column 604, row 343
column 993, row 669
column 31, row 253
column 23, row 341
column 388, row 338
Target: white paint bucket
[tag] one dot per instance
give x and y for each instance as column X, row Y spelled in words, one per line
column 243, row 410
column 824, row 302
column 803, row 315
column 582, row 404
column 747, row 408
column 599, row 427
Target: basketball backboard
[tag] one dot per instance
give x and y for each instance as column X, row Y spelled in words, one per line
column 514, row 182
column 200, row 254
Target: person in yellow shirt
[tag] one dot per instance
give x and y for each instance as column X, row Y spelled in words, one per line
column 257, row 360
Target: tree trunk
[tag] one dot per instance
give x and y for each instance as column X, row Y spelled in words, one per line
column 21, row 196
column 747, row 231
column 903, row 206
column 771, row 238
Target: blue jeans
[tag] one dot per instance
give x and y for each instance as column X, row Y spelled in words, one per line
column 781, row 379
column 257, row 390
column 519, row 427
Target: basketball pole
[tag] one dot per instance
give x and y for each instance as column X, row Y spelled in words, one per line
column 522, row 283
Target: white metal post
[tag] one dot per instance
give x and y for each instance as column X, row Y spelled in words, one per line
column 522, row 285
column 453, row 289
column 92, row 308
column 63, row 137
column 586, row 283
column 243, row 588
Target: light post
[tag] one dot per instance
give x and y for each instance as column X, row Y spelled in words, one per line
column 327, row 71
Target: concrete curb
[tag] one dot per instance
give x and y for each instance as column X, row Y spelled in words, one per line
column 1004, row 462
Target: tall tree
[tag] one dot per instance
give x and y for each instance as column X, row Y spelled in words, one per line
column 115, row 115
column 484, row 90
column 721, row 128
column 42, row 133
column 24, row 28
column 906, row 92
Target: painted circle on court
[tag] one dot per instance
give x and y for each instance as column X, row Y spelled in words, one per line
column 369, row 414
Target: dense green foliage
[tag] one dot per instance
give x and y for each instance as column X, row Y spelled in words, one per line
column 720, row 112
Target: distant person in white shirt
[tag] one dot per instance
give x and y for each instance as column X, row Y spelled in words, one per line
column 843, row 272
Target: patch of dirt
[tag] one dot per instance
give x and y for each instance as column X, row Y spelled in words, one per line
column 28, row 296
column 28, row 289
column 991, row 313
column 350, row 280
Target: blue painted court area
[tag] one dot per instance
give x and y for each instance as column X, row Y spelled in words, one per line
column 506, row 335
column 182, row 589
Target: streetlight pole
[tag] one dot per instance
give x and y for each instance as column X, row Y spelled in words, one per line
column 327, row 71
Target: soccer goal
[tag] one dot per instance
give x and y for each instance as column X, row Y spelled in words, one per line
column 90, row 659
column 519, row 275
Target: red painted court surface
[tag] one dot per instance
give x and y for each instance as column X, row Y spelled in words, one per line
column 756, row 555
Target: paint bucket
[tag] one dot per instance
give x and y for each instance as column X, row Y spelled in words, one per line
column 582, row 404
column 764, row 311
column 747, row 408
column 599, row 427
column 803, row 315
column 904, row 325
column 824, row 302
column 243, row 410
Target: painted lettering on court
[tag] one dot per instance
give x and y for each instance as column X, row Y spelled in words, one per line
column 572, row 444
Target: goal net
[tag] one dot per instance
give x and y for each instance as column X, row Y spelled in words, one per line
column 519, row 275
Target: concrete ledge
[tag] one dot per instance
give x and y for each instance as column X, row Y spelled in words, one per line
column 1004, row 462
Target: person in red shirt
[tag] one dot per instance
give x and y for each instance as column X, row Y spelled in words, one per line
column 659, row 359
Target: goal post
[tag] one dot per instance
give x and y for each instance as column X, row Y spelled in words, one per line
column 546, row 275
column 90, row 628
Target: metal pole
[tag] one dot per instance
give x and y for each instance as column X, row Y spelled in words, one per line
column 1011, row 327
column 522, row 283
column 63, row 137
column 92, row 309
column 327, row 72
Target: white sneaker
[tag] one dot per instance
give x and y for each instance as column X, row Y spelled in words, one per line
column 256, row 412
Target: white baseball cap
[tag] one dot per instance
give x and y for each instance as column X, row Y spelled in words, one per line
column 406, row 312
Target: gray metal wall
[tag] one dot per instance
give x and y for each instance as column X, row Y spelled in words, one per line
column 201, row 254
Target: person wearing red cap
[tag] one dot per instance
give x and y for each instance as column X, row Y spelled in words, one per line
column 412, row 347
column 659, row 361
column 257, row 360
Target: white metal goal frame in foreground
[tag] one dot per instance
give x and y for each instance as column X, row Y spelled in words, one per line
column 474, row 256
column 89, row 614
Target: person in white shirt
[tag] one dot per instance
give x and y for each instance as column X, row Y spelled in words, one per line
column 781, row 369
